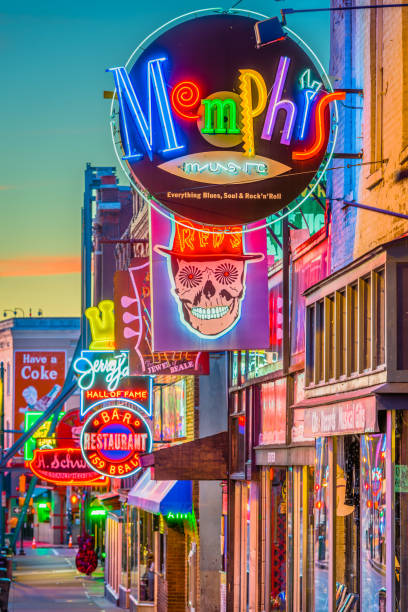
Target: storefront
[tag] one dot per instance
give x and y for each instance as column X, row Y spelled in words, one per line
column 355, row 397
column 160, row 531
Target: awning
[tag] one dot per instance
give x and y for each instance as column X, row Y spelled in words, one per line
column 39, row 491
column 161, row 497
column 202, row 459
column 110, row 501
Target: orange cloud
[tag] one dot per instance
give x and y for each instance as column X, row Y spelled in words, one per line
column 39, row 265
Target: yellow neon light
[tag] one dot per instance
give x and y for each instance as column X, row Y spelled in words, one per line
column 102, row 323
column 246, row 78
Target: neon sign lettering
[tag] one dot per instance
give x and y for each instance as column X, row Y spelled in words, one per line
column 248, row 113
column 112, row 440
column 231, row 168
column 184, row 98
column 112, row 367
column 321, row 105
column 64, row 466
column 101, row 394
column 220, row 110
column 221, row 116
column 131, row 110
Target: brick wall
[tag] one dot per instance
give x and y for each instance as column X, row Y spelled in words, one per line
column 176, row 571
column 385, row 185
column 369, row 50
column 343, row 178
column 162, row 592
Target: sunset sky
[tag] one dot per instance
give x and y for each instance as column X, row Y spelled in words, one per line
column 54, row 119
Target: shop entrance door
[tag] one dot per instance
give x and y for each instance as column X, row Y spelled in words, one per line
column 300, row 538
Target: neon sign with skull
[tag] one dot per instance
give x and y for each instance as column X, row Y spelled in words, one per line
column 208, row 268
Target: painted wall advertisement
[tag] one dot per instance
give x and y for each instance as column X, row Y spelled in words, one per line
column 209, row 286
column 38, row 379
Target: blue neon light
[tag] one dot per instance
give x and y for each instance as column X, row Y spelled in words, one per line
column 310, row 95
column 131, row 111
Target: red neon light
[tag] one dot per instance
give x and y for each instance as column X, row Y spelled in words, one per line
column 112, row 440
column 319, row 114
column 41, row 467
column 99, row 394
column 185, row 96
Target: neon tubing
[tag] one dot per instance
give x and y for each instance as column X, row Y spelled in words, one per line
column 319, row 114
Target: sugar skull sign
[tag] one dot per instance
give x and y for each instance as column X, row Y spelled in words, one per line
column 212, row 281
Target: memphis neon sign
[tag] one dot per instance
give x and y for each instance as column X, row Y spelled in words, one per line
column 220, row 116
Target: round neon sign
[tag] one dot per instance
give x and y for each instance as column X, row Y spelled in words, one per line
column 112, row 440
column 218, row 130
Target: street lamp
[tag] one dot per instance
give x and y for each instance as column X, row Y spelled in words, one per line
column 15, row 310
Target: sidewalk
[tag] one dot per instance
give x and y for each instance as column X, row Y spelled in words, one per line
column 46, row 579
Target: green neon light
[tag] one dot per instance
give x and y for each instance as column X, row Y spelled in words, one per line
column 231, row 168
column 178, row 516
column 98, row 512
column 221, row 109
column 40, row 438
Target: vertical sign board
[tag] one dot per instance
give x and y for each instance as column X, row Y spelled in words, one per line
column 307, row 270
column 273, row 412
column 38, row 379
column 209, row 286
column 133, row 327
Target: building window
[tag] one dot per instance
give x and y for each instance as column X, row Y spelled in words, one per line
column 345, row 331
column 341, row 334
column 380, row 317
column 402, row 315
column 170, row 411
column 353, row 325
column 310, row 343
column 238, row 427
column 273, row 413
column 330, row 338
column 365, row 321
column 319, row 352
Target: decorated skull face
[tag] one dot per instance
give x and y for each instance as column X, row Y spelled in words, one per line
column 210, row 292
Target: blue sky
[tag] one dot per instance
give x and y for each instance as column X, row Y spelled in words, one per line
column 53, row 57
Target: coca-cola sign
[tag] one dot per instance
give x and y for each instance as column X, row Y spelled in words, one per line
column 64, row 466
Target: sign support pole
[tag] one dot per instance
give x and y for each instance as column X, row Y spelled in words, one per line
column 2, row 522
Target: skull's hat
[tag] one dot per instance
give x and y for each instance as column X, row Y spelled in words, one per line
column 202, row 243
